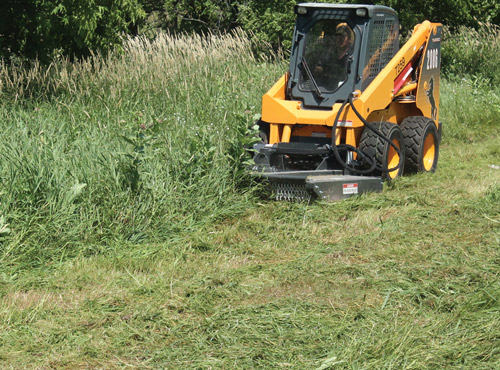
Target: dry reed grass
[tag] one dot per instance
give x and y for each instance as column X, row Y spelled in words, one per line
column 141, row 63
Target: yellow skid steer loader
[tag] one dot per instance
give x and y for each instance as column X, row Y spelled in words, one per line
column 354, row 109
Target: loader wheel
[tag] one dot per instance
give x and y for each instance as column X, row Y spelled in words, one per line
column 421, row 140
column 385, row 155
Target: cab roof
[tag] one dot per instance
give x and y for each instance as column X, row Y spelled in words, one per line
column 372, row 9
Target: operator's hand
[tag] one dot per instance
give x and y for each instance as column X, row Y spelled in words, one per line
column 318, row 70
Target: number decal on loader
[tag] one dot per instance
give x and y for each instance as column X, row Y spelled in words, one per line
column 400, row 66
column 432, row 59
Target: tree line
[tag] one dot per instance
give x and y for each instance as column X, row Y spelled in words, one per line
column 46, row 28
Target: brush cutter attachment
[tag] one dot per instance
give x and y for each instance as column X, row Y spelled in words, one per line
column 322, row 185
column 283, row 167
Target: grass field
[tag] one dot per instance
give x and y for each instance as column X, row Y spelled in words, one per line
column 130, row 237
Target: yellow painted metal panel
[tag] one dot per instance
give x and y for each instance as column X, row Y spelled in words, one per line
column 376, row 102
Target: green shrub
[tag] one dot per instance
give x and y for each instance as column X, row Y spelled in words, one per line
column 470, row 52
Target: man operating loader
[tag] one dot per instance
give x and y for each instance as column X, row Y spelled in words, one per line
column 329, row 54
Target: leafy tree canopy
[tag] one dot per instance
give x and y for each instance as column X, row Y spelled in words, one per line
column 41, row 28
column 272, row 20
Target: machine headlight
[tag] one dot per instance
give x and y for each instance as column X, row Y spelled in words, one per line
column 361, row 12
column 301, row 10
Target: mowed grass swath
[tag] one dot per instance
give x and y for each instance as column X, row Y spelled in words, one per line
column 128, row 240
column 142, row 144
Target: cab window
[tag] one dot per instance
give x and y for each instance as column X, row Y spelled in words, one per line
column 328, row 48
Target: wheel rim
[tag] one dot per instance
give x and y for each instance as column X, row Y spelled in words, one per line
column 393, row 159
column 429, row 152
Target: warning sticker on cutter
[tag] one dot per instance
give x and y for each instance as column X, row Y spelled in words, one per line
column 350, row 188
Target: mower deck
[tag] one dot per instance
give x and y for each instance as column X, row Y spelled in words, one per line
column 329, row 185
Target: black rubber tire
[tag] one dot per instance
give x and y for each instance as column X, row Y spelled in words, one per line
column 375, row 147
column 416, row 131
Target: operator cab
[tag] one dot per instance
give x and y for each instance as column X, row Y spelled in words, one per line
column 339, row 48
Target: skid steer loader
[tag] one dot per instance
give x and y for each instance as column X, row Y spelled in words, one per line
column 354, row 109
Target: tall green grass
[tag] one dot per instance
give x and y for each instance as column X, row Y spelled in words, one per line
column 470, row 109
column 144, row 144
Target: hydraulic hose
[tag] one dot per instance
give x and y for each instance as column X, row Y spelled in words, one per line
column 370, row 160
